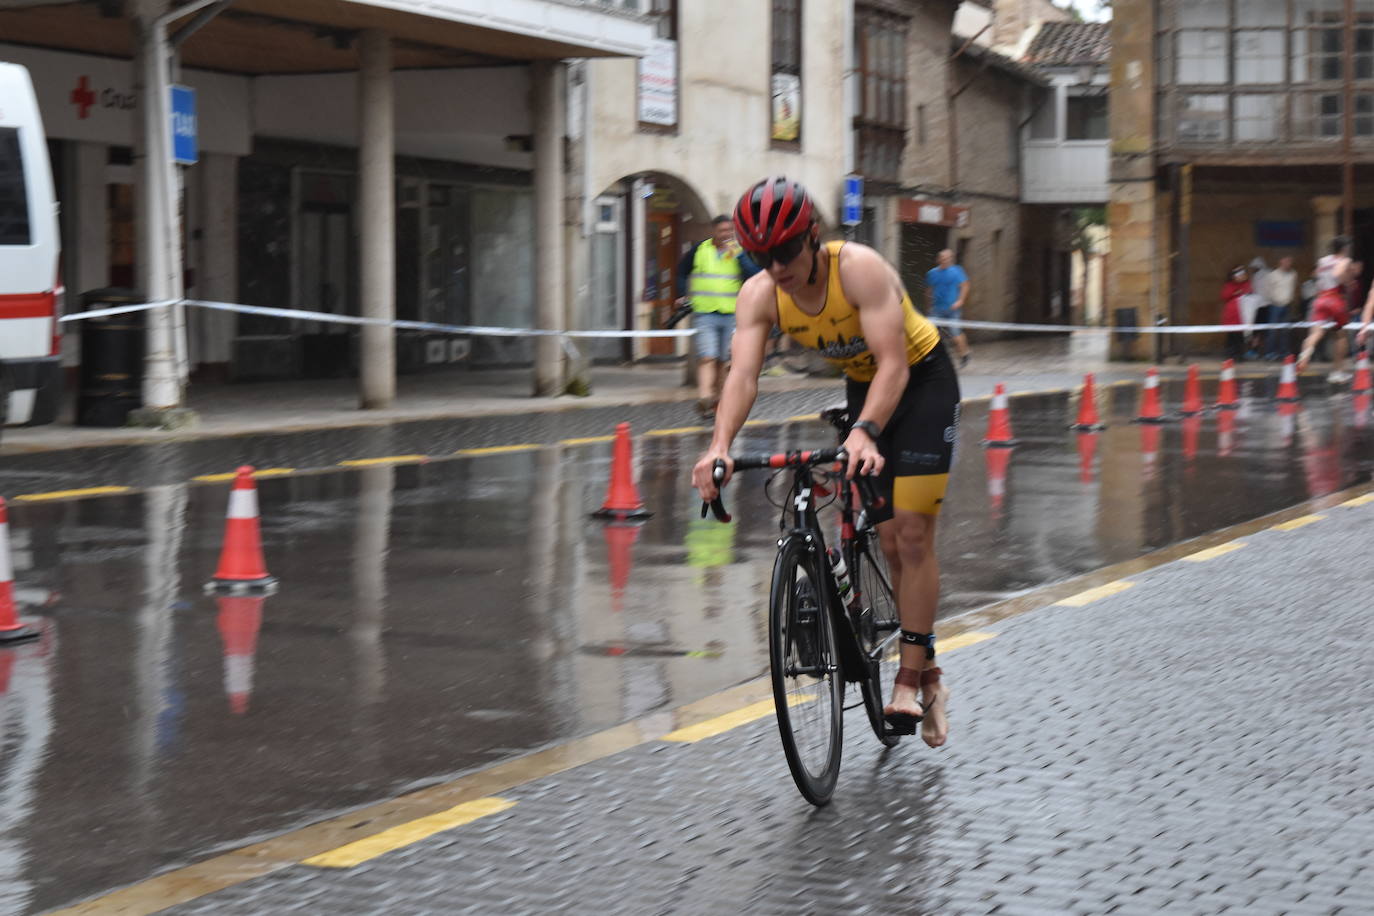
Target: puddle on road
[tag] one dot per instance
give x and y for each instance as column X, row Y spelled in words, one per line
column 439, row 617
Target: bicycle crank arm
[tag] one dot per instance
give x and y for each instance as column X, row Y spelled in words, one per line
column 812, row 670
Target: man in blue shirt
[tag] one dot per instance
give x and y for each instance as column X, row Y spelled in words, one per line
column 946, row 290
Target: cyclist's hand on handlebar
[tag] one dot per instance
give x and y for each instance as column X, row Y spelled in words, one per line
column 702, row 473
column 863, row 455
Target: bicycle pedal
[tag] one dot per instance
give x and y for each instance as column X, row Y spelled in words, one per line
column 901, row 724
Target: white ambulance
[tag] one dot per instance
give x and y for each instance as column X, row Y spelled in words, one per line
column 31, row 290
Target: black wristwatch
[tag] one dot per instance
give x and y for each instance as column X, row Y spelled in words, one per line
column 869, row 427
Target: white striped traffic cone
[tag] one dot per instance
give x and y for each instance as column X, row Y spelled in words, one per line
column 11, row 630
column 241, row 567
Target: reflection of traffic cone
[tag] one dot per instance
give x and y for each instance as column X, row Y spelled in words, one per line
column 1226, row 433
column 1191, row 427
column 241, row 567
column 1288, row 420
column 622, row 497
column 1226, row 391
column 11, row 630
column 1362, row 410
column 7, row 660
column 1361, row 385
column 1087, row 454
column 1087, row 407
column 1150, row 411
column 619, row 540
column 1149, row 449
column 1192, row 393
column 240, row 618
column 999, row 420
column 1288, row 382
column 998, row 459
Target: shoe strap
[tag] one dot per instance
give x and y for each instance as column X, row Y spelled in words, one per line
column 908, row 677
column 930, row 676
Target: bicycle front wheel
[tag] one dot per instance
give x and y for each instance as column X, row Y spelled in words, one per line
column 808, row 687
column 878, row 627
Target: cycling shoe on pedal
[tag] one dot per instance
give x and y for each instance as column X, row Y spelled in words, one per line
column 905, row 723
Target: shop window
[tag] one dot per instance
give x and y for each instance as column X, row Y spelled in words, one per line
column 787, row 90
column 1085, row 117
column 880, row 46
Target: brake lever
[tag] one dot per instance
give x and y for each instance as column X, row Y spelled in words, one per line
column 717, row 505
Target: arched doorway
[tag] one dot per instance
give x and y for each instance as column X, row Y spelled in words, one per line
column 642, row 225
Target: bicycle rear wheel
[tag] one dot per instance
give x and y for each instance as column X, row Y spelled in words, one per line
column 878, row 628
column 808, row 687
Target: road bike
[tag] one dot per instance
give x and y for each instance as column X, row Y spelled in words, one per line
column 832, row 617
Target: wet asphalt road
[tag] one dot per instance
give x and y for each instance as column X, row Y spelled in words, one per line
column 437, row 617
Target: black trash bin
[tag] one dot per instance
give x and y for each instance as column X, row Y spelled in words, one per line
column 111, row 359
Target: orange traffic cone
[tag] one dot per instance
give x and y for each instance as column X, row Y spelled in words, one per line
column 1087, row 407
column 1087, row 454
column 1361, row 385
column 622, row 497
column 240, row 618
column 1149, row 449
column 1288, row 381
column 1192, row 394
column 241, row 567
column 11, row 630
column 619, row 541
column 998, row 459
column 1191, row 427
column 1150, row 411
column 999, row 420
column 1226, row 390
column 1362, row 410
column 1226, row 433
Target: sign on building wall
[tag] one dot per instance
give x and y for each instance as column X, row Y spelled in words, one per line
column 658, row 84
column 786, row 106
column 185, row 150
column 932, row 213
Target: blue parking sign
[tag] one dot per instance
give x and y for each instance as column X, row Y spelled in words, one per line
column 853, row 200
column 185, row 148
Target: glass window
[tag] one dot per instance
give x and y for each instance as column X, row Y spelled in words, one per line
column 1042, row 125
column 1259, row 56
column 1193, row 14
column 14, row 197
column 1202, row 119
column 880, row 52
column 1085, row 117
column 1201, row 56
column 1258, row 117
column 787, row 88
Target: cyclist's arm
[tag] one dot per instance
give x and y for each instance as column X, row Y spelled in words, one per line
column 754, row 318
column 872, row 285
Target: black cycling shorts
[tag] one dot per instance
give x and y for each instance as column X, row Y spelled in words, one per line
column 919, row 440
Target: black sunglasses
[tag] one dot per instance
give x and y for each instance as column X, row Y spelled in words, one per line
column 782, row 254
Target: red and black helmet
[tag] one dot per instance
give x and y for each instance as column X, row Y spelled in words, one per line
column 771, row 212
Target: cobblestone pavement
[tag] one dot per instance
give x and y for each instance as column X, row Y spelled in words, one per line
column 1194, row 743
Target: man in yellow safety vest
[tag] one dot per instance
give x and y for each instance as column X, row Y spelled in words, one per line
column 709, row 277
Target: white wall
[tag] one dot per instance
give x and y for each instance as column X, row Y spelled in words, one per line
column 456, row 115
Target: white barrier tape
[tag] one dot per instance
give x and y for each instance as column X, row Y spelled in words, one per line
column 1148, row 329
column 117, row 310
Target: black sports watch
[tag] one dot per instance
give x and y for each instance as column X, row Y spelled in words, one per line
column 870, row 429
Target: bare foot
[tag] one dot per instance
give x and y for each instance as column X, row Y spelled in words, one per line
column 935, row 726
column 904, row 700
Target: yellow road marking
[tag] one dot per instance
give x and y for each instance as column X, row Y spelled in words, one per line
column 1360, row 500
column 405, row 834
column 70, row 494
column 676, row 431
column 497, row 449
column 389, row 459
column 223, row 478
column 971, row 638
column 1298, row 522
column 761, row 422
column 1213, row 552
column 802, row 418
column 722, row 724
column 585, row 440
column 1093, row 594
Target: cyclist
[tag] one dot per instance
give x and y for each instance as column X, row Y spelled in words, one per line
column 845, row 301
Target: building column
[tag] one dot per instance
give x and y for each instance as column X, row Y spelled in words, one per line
column 1326, row 223
column 217, row 269
column 550, row 115
column 376, row 219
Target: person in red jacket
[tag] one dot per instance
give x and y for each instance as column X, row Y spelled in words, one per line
column 1236, row 285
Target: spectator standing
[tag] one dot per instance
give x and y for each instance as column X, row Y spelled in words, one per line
column 1237, row 285
column 709, row 276
column 946, row 291
column 1280, row 291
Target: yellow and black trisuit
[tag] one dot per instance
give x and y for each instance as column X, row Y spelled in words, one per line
column 919, row 440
